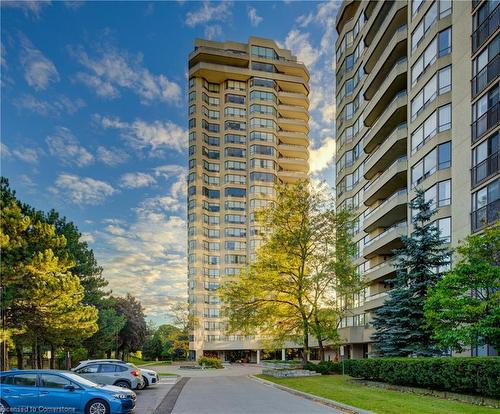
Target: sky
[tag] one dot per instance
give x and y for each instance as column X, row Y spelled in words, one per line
column 94, row 119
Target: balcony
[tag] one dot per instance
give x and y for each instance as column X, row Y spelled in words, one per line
column 293, row 151
column 485, row 29
column 393, row 115
column 356, row 334
column 293, row 124
column 293, row 138
column 293, row 98
column 219, row 56
column 375, row 301
column 291, row 176
column 390, row 211
column 293, row 111
column 392, row 179
column 394, row 146
column 485, row 169
column 485, row 216
column 386, row 242
column 485, row 122
column 394, row 82
column 486, row 76
column 383, row 271
column 294, row 164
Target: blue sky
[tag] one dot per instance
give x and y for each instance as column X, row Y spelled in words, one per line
column 94, row 119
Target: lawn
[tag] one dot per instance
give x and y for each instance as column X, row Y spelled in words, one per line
column 378, row 400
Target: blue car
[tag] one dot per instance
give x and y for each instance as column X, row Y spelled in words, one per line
column 50, row 391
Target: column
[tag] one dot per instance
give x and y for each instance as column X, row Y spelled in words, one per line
column 283, row 354
column 258, row 356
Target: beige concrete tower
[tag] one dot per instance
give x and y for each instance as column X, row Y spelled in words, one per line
column 404, row 122
column 248, row 128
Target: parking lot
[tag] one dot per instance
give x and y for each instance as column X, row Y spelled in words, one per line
column 150, row 398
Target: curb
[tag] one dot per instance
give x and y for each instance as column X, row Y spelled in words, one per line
column 325, row 401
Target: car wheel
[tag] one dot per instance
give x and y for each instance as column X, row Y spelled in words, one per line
column 146, row 382
column 123, row 384
column 97, row 407
column 4, row 407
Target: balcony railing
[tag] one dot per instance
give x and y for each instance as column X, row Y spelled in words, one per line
column 485, row 122
column 394, row 227
column 485, row 215
column 485, row 169
column 485, row 29
column 379, row 266
column 384, row 203
column 381, row 176
column 487, row 75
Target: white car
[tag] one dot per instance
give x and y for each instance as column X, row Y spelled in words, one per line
column 149, row 376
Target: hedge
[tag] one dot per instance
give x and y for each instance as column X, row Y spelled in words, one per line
column 474, row 375
column 210, row 362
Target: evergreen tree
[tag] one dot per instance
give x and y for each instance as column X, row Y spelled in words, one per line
column 399, row 324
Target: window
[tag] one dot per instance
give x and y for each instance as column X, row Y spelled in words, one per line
column 235, row 205
column 428, row 21
column 439, row 46
column 212, row 207
column 211, row 260
column 209, row 153
column 444, row 226
column 262, row 176
column 209, row 166
column 234, row 152
column 257, row 203
column 208, row 179
column 262, row 96
column 263, row 123
column 210, row 100
column 192, row 96
column 439, row 84
column 439, row 195
column 192, row 123
column 266, row 83
column 235, row 245
column 438, row 121
column 211, row 233
column 209, row 126
column 235, row 179
column 264, row 52
column 235, row 112
column 261, row 189
column 264, row 164
column 235, row 232
column 235, row 192
column 238, row 126
column 262, row 150
column 264, row 67
column 211, row 87
column 192, row 164
column 234, row 139
column 210, row 113
column 234, row 219
column 88, row 369
column 192, row 109
column 214, row 141
column 235, row 165
column 262, row 136
column 262, row 109
column 486, row 205
column 437, row 159
column 235, row 259
column 237, row 99
column 211, row 219
column 485, row 159
column 191, row 191
column 211, row 273
column 236, row 85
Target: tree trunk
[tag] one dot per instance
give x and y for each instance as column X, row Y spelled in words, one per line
column 34, row 358
column 321, row 350
column 39, row 356
column 108, row 354
column 19, row 354
column 67, row 358
column 5, row 357
column 52, row 357
column 305, row 352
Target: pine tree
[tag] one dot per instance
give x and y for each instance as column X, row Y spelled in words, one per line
column 400, row 324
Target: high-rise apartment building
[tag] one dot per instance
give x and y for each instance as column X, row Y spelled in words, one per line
column 248, row 128
column 417, row 107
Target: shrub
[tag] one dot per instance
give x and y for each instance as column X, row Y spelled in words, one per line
column 324, row 367
column 474, row 375
column 210, row 362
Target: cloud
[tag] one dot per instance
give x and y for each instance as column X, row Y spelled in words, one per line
column 4, row 150
column 87, row 237
column 146, row 255
column 300, row 46
column 3, row 53
column 111, row 70
column 29, row 155
column 208, row 13
column 111, row 156
column 73, row 4
column 63, row 145
column 61, row 104
column 82, row 190
column 322, row 157
column 39, row 71
column 154, row 137
column 212, row 32
column 29, row 7
column 255, row 19
column 136, row 180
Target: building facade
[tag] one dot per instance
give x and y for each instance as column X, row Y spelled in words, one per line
column 248, row 128
column 417, row 107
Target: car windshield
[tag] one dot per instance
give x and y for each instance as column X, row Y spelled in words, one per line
column 80, row 380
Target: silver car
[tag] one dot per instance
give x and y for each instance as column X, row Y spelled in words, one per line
column 110, row 373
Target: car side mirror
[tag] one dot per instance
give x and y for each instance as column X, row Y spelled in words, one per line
column 69, row 387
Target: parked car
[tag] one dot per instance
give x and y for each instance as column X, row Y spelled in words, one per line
column 112, row 373
column 149, row 376
column 60, row 391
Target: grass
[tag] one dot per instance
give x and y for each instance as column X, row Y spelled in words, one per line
column 378, row 400
column 166, row 374
column 138, row 361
